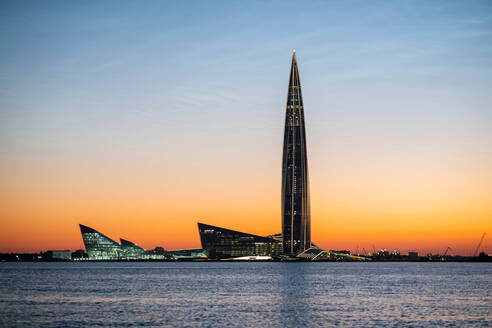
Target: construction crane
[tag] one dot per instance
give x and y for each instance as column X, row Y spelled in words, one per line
column 479, row 244
column 443, row 258
column 446, row 252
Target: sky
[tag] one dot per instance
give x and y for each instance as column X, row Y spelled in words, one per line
column 140, row 119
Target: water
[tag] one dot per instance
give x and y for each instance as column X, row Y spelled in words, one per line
column 225, row 294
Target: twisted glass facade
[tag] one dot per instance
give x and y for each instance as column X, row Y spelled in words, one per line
column 296, row 217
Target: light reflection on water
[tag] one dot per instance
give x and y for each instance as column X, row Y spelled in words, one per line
column 245, row 294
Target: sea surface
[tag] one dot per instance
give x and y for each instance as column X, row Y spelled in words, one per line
column 246, row 294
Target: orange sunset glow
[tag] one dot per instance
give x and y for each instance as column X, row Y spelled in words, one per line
column 408, row 208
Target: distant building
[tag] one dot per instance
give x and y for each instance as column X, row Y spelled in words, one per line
column 130, row 250
column 64, row 255
column 185, row 254
column 316, row 254
column 79, row 254
column 98, row 246
column 101, row 247
column 413, row 254
column 382, row 253
column 311, row 253
column 221, row 243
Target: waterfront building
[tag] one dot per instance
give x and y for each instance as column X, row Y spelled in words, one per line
column 131, row 250
column 79, row 254
column 221, row 243
column 187, row 254
column 64, row 255
column 296, row 217
column 99, row 246
column 316, row 254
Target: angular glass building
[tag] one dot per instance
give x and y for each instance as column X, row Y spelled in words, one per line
column 221, row 243
column 101, row 247
column 131, row 250
column 296, row 217
column 98, row 246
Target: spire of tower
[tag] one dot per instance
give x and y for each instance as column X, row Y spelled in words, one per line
column 294, row 72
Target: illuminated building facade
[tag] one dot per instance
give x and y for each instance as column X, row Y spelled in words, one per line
column 98, row 246
column 296, row 217
column 223, row 243
column 130, row 250
column 101, row 247
column 188, row 254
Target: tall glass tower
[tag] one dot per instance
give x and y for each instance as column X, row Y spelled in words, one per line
column 296, row 217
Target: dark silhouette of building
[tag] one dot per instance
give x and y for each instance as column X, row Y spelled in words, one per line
column 296, row 218
column 224, row 243
column 64, row 255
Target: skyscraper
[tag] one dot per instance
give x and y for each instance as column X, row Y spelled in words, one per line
column 296, row 217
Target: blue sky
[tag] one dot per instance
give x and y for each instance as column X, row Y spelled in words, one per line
column 74, row 65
